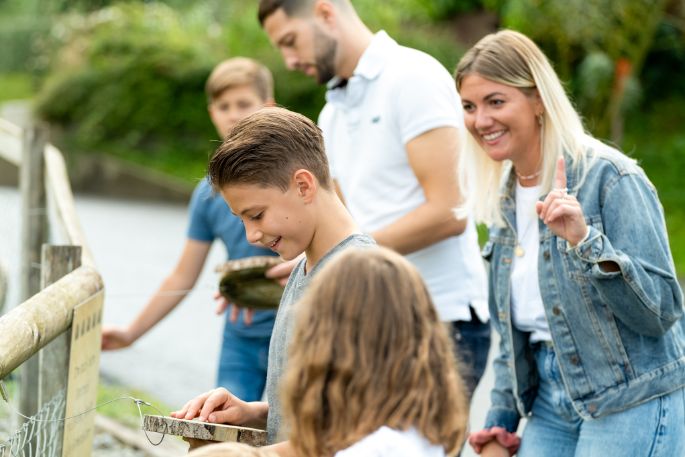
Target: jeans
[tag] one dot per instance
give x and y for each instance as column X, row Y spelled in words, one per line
column 472, row 344
column 243, row 364
column 652, row 429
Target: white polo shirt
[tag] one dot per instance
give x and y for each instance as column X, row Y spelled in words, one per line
column 395, row 95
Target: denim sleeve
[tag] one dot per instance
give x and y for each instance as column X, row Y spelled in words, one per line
column 644, row 294
column 503, row 411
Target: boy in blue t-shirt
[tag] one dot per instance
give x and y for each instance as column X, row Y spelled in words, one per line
column 236, row 88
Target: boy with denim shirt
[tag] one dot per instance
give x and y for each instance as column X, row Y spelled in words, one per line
column 273, row 172
column 236, row 88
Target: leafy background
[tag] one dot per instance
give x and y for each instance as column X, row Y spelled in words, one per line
column 127, row 78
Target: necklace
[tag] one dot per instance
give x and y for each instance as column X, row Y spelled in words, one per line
column 530, row 223
column 518, row 249
column 528, row 177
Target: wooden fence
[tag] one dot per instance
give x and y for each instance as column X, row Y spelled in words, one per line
column 52, row 337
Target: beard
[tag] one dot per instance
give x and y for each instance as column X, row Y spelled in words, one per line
column 325, row 49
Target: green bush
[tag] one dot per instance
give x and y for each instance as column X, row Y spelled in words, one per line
column 128, row 79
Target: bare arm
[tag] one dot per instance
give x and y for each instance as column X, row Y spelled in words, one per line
column 433, row 158
column 282, row 449
column 172, row 290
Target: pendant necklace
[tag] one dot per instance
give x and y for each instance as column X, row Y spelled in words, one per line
column 518, row 249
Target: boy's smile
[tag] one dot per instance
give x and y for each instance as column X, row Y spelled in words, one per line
column 274, row 219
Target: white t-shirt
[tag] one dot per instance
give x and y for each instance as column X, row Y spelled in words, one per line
column 395, row 95
column 387, row 442
column 528, row 313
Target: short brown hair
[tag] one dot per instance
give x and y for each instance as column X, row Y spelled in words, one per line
column 368, row 349
column 290, row 7
column 266, row 148
column 240, row 71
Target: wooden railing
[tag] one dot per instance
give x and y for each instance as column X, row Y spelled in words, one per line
column 36, row 335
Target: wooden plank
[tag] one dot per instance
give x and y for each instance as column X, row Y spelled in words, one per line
column 62, row 199
column 34, row 231
column 204, row 430
column 84, row 373
column 53, row 359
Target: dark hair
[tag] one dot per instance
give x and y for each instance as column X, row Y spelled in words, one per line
column 268, row 7
column 266, row 148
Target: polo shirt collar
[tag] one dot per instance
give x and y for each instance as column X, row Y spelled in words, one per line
column 371, row 62
column 350, row 93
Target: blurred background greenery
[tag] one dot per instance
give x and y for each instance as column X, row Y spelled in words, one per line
column 127, row 78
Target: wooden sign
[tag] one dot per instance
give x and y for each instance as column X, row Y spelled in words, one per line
column 84, row 365
column 204, row 430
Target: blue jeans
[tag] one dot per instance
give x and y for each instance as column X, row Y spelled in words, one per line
column 653, row 429
column 243, row 364
column 472, row 344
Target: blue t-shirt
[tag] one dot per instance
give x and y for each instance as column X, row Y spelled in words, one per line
column 211, row 218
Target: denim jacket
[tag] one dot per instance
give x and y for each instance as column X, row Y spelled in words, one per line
column 619, row 336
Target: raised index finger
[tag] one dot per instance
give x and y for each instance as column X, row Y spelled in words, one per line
column 560, row 176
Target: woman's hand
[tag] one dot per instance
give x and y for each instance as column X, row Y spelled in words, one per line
column 494, row 442
column 561, row 212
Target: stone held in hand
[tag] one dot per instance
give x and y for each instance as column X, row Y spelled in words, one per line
column 244, row 284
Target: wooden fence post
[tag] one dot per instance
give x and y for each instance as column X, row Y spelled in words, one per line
column 34, row 234
column 57, row 261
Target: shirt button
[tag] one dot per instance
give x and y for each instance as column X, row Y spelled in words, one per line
column 556, row 311
column 546, row 255
column 592, row 408
column 575, row 360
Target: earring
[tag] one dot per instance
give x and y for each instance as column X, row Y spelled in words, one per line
column 541, row 119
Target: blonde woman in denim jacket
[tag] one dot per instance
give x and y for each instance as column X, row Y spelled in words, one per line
column 583, row 290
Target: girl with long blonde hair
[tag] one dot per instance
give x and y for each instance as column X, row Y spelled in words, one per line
column 371, row 366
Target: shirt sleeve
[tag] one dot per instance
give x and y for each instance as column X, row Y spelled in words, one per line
column 426, row 99
column 199, row 228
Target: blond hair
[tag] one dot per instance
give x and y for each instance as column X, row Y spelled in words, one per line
column 240, row 71
column 510, row 58
column 230, row 450
column 369, row 350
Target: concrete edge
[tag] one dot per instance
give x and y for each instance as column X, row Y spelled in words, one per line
column 169, row 447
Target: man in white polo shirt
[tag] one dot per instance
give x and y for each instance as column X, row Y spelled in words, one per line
column 391, row 127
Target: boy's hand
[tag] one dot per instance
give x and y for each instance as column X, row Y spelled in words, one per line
column 115, row 338
column 223, row 304
column 217, row 406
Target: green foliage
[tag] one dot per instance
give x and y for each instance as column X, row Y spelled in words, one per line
column 445, row 9
column 590, row 43
column 656, row 139
column 125, row 411
column 128, row 79
column 15, row 86
column 132, row 75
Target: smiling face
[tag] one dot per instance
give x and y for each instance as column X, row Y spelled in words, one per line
column 304, row 44
column 232, row 105
column 503, row 120
column 277, row 220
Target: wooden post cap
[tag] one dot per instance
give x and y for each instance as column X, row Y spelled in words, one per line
column 204, row 430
